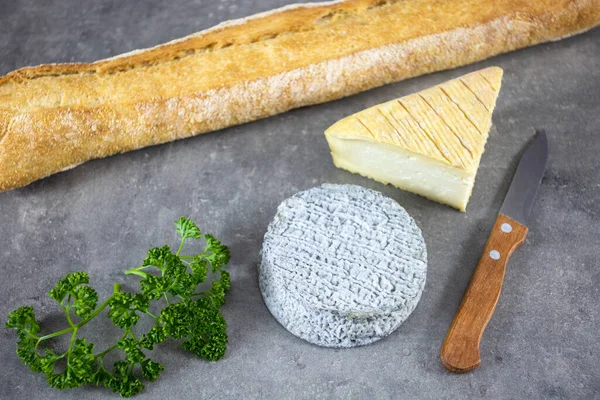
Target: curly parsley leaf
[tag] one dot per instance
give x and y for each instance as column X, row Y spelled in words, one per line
column 168, row 278
column 219, row 253
column 23, row 319
column 154, row 336
column 66, row 285
column 123, row 381
column 27, row 353
column 199, row 267
column 156, row 257
column 124, row 308
column 219, row 287
column 177, row 320
column 174, row 267
column 85, row 300
column 186, row 228
column 80, row 367
column 208, row 338
column 151, row 369
column 154, row 287
column 81, row 298
column 48, row 361
column 131, row 347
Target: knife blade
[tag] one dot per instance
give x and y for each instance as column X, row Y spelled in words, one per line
column 527, row 179
column 460, row 350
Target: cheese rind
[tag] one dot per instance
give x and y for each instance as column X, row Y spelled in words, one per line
column 429, row 143
column 342, row 265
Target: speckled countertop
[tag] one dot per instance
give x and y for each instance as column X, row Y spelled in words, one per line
column 102, row 216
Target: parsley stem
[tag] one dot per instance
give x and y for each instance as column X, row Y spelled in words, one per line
column 105, row 352
column 137, row 272
column 73, row 336
column 55, row 334
column 67, row 313
column 96, row 312
column 150, row 314
column 180, row 247
column 197, row 255
column 138, row 268
column 31, row 335
column 111, row 348
column 167, row 299
column 116, row 288
column 131, row 333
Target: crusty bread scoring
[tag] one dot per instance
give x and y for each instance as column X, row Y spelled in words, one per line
column 54, row 117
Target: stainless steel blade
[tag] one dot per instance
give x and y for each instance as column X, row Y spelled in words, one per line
column 527, row 179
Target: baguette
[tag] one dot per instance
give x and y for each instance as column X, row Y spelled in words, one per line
column 57, row 116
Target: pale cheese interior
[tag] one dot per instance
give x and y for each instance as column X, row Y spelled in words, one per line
column 429, row 143
column 410, row 171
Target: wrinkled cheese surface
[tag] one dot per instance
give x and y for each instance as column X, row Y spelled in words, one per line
column 342, row 265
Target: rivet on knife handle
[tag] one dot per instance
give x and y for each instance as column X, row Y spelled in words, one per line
column 460, row 351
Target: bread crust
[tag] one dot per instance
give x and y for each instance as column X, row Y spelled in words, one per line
column 54, row 117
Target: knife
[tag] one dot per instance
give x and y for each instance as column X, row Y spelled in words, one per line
column 460, row 350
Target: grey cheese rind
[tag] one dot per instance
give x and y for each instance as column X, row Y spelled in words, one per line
column 342, row 266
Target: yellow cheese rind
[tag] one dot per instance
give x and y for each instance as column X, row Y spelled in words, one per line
column 429, row 143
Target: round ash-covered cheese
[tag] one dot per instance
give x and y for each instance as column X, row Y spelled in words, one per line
column 342, row 266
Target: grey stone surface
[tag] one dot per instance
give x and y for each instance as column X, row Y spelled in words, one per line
column 342, row 265
column 102, row 216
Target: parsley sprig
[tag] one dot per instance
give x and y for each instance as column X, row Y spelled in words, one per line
column 167, row 277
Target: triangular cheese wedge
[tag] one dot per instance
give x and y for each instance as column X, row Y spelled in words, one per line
column 429, row 143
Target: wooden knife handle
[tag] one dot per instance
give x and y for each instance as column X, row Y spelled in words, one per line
column 460, row 351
